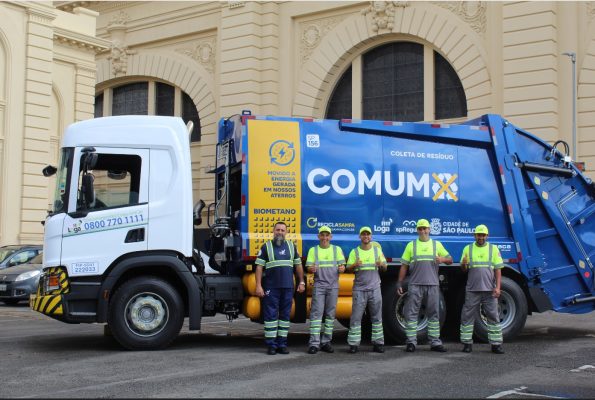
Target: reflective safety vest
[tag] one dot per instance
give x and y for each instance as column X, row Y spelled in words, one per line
column 481, row 264
column 326, row 264
column 368, row 266
column 425, row 257
column 272, row 263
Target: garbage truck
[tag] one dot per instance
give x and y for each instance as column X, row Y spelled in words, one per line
column 123, row 240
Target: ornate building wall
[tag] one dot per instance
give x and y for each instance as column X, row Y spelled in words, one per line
column 47, row 83
column 280, row 58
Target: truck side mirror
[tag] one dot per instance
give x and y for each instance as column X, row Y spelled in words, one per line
column 49, row 171
column 87, row 190
column 197, row 210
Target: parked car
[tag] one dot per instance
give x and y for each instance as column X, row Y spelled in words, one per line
column 18, row 282
column 18, row 254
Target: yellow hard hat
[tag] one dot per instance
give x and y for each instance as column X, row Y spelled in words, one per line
column 423, row 223
column 365, row 229
column 324, row 228
column 481, row 229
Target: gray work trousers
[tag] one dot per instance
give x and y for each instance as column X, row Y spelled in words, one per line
column 489, row 305
column 324, row 304
column 417, row 294
column 373, row 300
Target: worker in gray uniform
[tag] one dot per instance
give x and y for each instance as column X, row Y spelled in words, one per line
column 325, row 261
column 422, row 258
column 484, row 263
column 366, row 260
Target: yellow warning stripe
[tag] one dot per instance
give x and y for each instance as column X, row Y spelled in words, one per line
column 52, row 304
column 44, row 301
column 37, row 300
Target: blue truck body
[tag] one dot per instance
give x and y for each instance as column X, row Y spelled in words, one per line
column 351, row 173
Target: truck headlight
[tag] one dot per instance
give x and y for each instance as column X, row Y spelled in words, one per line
column 27, row 275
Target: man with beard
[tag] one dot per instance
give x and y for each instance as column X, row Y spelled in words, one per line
column 278, row 258
column 422, row 258
column 484, row 263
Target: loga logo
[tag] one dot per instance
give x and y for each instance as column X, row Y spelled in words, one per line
column 281, row 152
column 408, row 226
column 384, row 227
column 312, row 222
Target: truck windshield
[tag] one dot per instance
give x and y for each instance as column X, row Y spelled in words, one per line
column 60, row 201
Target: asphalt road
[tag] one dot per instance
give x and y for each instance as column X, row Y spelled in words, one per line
column 553, row 358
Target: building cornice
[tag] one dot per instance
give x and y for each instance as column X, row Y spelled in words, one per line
column 74, row 39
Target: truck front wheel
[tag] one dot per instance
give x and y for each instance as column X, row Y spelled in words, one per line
column 145, row 313
column 513, row 309
column 394, row 319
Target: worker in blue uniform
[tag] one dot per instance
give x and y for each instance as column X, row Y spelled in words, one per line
column 275, row 265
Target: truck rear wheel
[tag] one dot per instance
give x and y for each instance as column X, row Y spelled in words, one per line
column 394, row 319
column 513, row 309
column 145, row 313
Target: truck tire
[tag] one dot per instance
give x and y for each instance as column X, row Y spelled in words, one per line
column 394, row 320
column 145, row 313
column 513, row 309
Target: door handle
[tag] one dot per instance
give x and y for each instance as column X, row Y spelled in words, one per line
column 135, row 235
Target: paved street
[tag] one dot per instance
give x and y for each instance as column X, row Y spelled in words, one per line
column 553, row 358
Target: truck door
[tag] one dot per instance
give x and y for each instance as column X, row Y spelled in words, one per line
column 108, row 209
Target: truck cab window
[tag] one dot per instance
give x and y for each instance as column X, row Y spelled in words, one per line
column 115, row 180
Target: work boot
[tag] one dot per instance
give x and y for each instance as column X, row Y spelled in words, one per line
column 497, row 349
column 282, row 350
column 439, row 348
column 312, row 350
column 410, row 348
column 271, row 351
column 467, row 348
column 353, row 349
column 327, row 348
column 378, row 348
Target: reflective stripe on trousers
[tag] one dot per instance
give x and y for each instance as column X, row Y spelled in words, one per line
column 324, row 304
column 417, row 294
column 373, row 300
column 489, row 304
column 276, row 309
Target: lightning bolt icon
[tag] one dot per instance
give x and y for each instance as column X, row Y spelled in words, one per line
column 282, row 153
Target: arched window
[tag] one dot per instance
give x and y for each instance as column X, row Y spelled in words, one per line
column 399, row 81
column 449, row 99
column 148, row 98
column 340, row 104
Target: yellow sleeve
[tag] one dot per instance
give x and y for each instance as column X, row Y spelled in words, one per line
column 406, row 257
column 441, row 251
column 465, row 253
column 310, row 259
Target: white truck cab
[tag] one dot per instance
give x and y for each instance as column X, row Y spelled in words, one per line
column 119, row 239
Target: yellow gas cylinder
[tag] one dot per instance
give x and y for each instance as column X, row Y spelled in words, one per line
column 343, row 307
column 251, row 308
column 345, row 284
column 249, row 283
